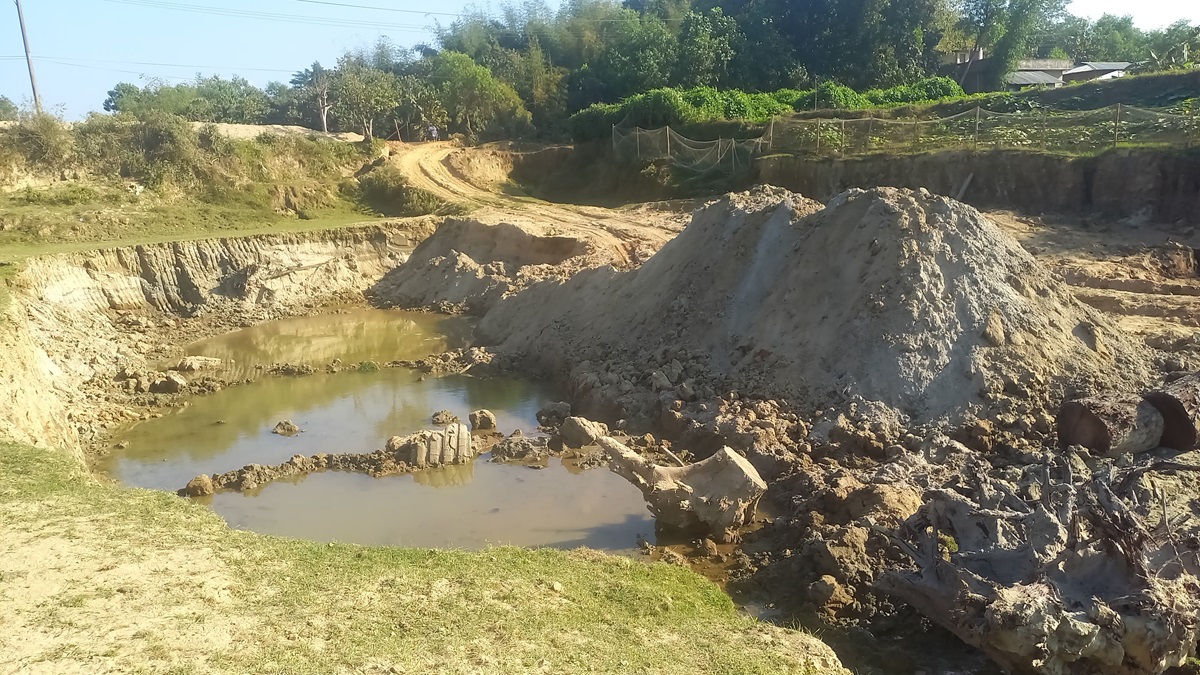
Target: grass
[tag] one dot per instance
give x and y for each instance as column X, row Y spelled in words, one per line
column 205, row 598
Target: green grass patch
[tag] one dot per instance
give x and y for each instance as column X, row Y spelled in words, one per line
column 300, row 606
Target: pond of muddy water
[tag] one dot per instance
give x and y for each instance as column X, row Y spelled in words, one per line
column 469, row 506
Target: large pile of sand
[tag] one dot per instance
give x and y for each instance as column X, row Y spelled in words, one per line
column 896, row 296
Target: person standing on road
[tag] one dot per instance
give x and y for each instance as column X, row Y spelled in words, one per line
column 433, row 132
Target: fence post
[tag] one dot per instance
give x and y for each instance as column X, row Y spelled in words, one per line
column 843, row 138
column 916, row 140
column 771, row 135
column 818, row 135
column 637, row 136
column 975, row 142
column 1191, row 128
column 1045, row 128
column 870, row 132
column 668, row 143
column 1117, row 127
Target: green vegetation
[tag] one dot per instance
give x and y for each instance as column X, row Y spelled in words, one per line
column 200, row 597
column 525, row 72
column 8, row 109
column 154, row 175
column 685, row 109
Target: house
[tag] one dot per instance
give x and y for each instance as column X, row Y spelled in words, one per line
column 974, row 71
column 1020, row 79
column 1097, row 70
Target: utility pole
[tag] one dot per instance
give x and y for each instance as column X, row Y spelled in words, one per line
column 37, row 100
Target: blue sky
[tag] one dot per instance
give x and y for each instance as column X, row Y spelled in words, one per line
column 86, row 46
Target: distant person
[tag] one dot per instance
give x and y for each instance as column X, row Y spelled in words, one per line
column 433, row 132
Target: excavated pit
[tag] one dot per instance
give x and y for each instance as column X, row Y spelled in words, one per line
column 469, row 505
column 870, row 358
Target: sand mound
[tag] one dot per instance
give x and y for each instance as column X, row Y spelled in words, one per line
column 896, row 296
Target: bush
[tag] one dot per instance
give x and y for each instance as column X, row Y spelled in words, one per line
column 387, row 191
column 921, row 91
column 788, row 97
column 40, row 140
column 831, row 95
column 674, row 107
column 69, row 194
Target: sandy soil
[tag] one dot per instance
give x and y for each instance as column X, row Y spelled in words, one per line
column 1128, row 269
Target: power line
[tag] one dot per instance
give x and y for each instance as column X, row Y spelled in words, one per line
column 163, row 65
column 380, row 9
column 272, row 16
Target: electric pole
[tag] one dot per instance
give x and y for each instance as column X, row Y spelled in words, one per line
column 37, row 100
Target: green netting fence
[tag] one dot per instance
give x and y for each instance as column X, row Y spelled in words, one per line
column 1076, row 132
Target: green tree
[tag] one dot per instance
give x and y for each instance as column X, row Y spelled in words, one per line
column 232, row 101
column 362, row 95
column 639, row 54
column 419, row 106
column 315, row 86
column 287, row 105
column 475, row 101
column 8, row 109
column 707, row 44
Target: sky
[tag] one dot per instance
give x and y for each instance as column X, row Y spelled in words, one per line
column 83, row 47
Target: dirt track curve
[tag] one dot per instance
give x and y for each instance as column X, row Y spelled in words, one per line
column 427, row 166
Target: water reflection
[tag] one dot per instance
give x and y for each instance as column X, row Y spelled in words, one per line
column 352, row 336
column 466, row 506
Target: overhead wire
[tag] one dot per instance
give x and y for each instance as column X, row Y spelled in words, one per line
column 273, row 16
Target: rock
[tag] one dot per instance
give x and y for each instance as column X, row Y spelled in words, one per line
column 578, row 431
column 686, row 392
column 718, row 495
column 483, row 420
column 451, row 445
column 200, row 486
column 191, row 364
column 553, row 414
column 520, row 448
column 168, row 383
column 659, row 381
column 286, row 428
column 444, row 417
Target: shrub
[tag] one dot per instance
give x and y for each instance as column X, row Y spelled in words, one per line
column 921, row 91
column 831, row 95
column 386, row 190
column 41, row 140
column 657, row 108
column 69, row 194
column 788, row 97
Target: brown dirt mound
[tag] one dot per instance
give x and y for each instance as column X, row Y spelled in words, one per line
column 896, row 296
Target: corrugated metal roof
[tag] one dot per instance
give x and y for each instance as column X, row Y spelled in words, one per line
column 1025, row 77
column 1088, row 66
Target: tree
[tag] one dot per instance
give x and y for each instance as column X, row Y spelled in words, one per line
column 707, row 44
column 639, row 54
column 124, row 96
column 1022, row 18
column 362, row 95
column 316, row 86
column 232, row 101
column 475, row 101
column 419, row 105
column 8, row 109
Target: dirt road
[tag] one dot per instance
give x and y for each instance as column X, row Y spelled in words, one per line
column 427, row 166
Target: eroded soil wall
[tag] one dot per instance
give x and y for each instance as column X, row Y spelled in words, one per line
column 76, row 319
column 587, row 174
column 1158, row 186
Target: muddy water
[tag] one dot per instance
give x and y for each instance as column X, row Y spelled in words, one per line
column 465, row 507
column 353, row 336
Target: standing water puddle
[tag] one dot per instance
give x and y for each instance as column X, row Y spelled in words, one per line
column 468, row 506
